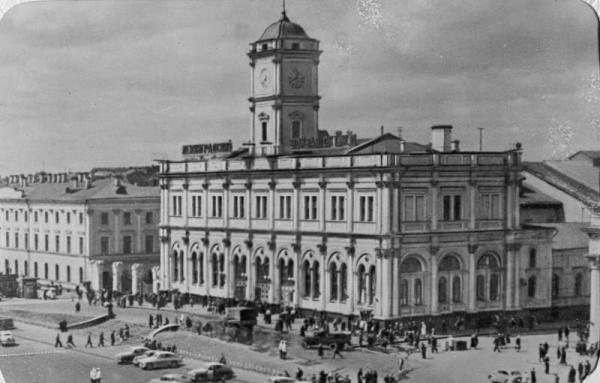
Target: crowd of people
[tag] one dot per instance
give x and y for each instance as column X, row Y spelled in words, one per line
column 123, row 334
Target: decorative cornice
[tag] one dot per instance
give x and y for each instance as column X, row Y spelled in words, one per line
column 272, row 185
column 322, row 184
column 205, row 185
column 297, row 183
column 350, row 184
column 226, row 184
column 248, row 185
column 185, row 186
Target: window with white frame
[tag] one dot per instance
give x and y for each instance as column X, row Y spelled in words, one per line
column 296, row 129
column 414, row 208
column 176, row 206
column 216, row 206
column 366, row 206
column 452, row 206
column 285, row 207
column 239, row 208
column 338, row 208
column 196, row 205
column 490, row 206
column 260, row 207
column 310, row 207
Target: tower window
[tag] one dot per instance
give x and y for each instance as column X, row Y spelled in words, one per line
column 295, row 46
column 264, row 47
column 296, row 129
column 264, row 131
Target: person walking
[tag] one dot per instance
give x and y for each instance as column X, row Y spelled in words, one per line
column 423, row 350
column 70, row 342
column 336, row 351
column 88, row 343
column 282, row 349
column 320, row 350
column 150, row 321
column 533, row 376
column 572, row 374
column 58, row 342
column 101, row 340
column 400, row 364
column 580, row 371
column 126, row 331
column 112, row 338
column 547, row 365
column 518, row 343
column 496, row 344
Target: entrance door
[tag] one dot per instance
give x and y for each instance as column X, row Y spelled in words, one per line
column 106, row 280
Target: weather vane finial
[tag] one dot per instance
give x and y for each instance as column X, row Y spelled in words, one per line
column 283, row 7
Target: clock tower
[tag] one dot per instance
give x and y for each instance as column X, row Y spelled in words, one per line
column 285, row 100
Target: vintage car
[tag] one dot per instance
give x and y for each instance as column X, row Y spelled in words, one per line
column 506, row 376
column 128, row 356
column 160, row 360
column 149, row 353
column 7, row 338
column 327, row 339
column 281, row 379
column 211, row 371
column 173, row 378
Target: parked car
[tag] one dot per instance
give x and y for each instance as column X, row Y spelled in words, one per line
column 7, row 338
column 327, row 339
column 128, row 356
column 149, row 353
column 173, row 378
column 210, row 372
column 281, row 379
column 161, row 359
column 506, row 376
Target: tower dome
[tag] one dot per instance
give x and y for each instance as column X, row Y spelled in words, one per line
column 283, row 28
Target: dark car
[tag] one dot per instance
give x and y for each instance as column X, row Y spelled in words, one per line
column 127, row 357
column 327, row 339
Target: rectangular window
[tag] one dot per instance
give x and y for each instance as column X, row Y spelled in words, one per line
column 104, row 242
column 285, row 207
column 104, row 218
column 452, row 207
column 46, row 242
column 196, row 205
column 35, row 216
column 26, row 240
column 25, row 217
column 149, row 218
column 68, row 217
column 176, row 206
column 296, row 129
column 57, row 243
column 366, row 206
column 16, row 216
column 126, row 218
column 260, row 207
column 414, row 208
column 310, row 207
column 238, row 207
column 217, row 206
column 490, row 206
column 36, row 242
column 149, row 244
column 16, row 240
column 337, row 208
column 57, row 217
column 127, row 244
column 46, row 218
column 80, row 245
column 7, row 239
column 6, row 216
column 68, row 244
column 81, row 218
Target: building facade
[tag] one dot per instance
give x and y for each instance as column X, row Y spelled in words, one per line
column 342, row 225
column 75, row 230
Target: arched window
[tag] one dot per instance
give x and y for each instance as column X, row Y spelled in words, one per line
column 487, row 261
column 372, row 284
column 531, row 286
column 316, row 280
column 404, row 292
column 449, row 263
column 222, row 269
column 442, row 290
column 362, row 284
column 282, row 272
column 215, row 269
column 532, row 257
column 333, row 282
column 265, row 271
column 555, row 285
column 494, row 287
column 456, row 291
column 68, row 273
column 175, row 264
column 290, row 269
column 418, row 292
column 410, row 265
column 344, row 281
column 480, row 288
column 244, row 265
column 307, row 281
column 578, row 284
column 181, row 268
column 194, row 268
column 56, row 272
column 201, row 267
column 80, row 273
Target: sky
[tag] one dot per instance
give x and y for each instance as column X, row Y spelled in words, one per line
column 86, row 84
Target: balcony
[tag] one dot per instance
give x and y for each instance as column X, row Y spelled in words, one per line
column 415, row 227
column 453, row 225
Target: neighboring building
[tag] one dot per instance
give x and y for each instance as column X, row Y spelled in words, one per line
column 76, row 230
column 343, row 225
column 537, row 207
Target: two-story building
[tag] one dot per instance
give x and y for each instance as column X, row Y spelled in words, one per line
column 74, row 230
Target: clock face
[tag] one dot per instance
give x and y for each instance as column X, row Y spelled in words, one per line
column 296, row 78
column 264, row 78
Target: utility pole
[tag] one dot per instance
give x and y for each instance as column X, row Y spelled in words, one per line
column 480, row 139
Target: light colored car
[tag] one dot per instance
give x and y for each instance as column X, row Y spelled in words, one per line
column 128, row 356
column 161, row 359
column 173, row 378
column 281, row 379
column 211, row 372
column 506, row 376
column 147, row 354
column 7, row 338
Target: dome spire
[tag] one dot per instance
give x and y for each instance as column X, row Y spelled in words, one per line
column 283, row 14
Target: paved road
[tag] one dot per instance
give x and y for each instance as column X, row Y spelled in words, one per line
column 33, row 361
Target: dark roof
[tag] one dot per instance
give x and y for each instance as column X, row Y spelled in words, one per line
column 283, row 28
column 100, row 189
column 532, row 196
column 579, row 179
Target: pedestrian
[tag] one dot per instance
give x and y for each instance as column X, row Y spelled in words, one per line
column 299, row 374
column 547, row 365
column 121, row 336
column 572, row 374
column 112, row 338
column 560, row 334
column 434, row 345
column 336, row 351
column 222, row 359
column 400, row 364
column 580, row 371
column 89, row 341
column 518, row 343
column 150, row 321
column 496, row 344
column 126, row 331
column 320, row 350
column 101, row 340
column 423, row 351
column 70, row 342
column 556, row 378
column 359, row 376
column 58, row 342
column 282, row 349
column 533, row 376
column 563, row 355
column 77, row 307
